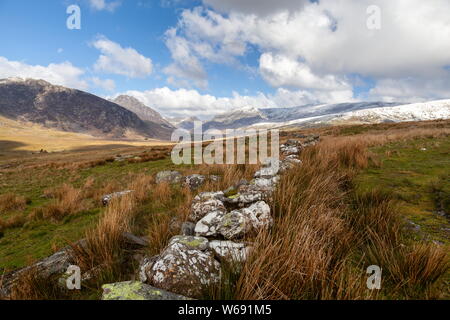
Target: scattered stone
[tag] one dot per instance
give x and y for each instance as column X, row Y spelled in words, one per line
column 134, row 290
column 109, row 197
column 194, row 181
column 230, row 251
column 172, row 177
column 188, row 229
column 205, row 203
column 186, row 267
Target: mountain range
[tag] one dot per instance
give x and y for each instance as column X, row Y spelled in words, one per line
column 126, row 117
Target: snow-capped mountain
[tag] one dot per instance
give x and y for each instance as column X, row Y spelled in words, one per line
column 250, row 116
column 431, row 110
column 183, row 123
column 343, row 113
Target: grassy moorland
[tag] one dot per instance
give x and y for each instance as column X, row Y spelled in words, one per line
column 351, row 204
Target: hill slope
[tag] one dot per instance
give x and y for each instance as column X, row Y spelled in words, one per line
column 71, row 110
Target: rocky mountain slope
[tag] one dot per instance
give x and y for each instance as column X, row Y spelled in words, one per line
column 146, row 113
column 65, row 109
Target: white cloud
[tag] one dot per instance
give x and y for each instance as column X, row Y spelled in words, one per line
column 123, row 61
column 185, row 65
column 105, row 5
column 412, row 89
column 326, row 41
column 106, row 84
column 282, row 71
column 183, row 102
column 260, row 7
column 64, row 74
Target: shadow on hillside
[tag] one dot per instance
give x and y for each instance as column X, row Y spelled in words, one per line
column 8, row 146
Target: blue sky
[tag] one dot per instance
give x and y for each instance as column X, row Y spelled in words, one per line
column 189, row 57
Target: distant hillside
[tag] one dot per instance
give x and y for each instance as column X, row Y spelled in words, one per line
column 71, row 110
column 147, row 114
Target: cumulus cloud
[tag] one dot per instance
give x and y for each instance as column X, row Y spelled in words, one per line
column 64, row 73
column 186, row 65
column 260, row 7
column 326, row 41
column 115, row 59
column 282, row 71
column 105, row 84
column 184, row 102
column 104, row 5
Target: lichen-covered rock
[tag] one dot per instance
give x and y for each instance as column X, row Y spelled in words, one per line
column 109, row 197
column 205, row 203
column 188, row 229
column 237, row 223
column 135, row 290
column 267, row 173
column 194, row 181
column 209, row 224
column 230, row 251
column 186, row 267
column 172, row 177
column 289, row 150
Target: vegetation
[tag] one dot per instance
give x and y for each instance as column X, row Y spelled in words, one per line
column 350, row 205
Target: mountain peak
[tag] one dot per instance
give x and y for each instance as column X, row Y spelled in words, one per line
column 143, row 111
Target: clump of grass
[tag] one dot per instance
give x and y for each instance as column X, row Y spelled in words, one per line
column 15, row 221
column 67, row 200
column 32, row 285
column 440, row 189
column 141, row 186
column 104, row 242
column 10, row 202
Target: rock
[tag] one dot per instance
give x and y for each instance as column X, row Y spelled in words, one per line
column 194, row 181
column 50, row 266
column 237, row 223
column 205, row 203
column 293, row 142
column 186, row 267
column 172, row 177
column 107, row 198
column 133, row 240
column 145, row 267
column 187, row 229
column 230, row 251
column 134, row 290
column 289, row 150
column 268, row 172
column 230, row 192
column 266, row 183
column 208, row 226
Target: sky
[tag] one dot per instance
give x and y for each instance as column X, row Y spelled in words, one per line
column 205, row 57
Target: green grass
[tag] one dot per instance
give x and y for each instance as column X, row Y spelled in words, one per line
column 417, row 174
column 36, row 240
